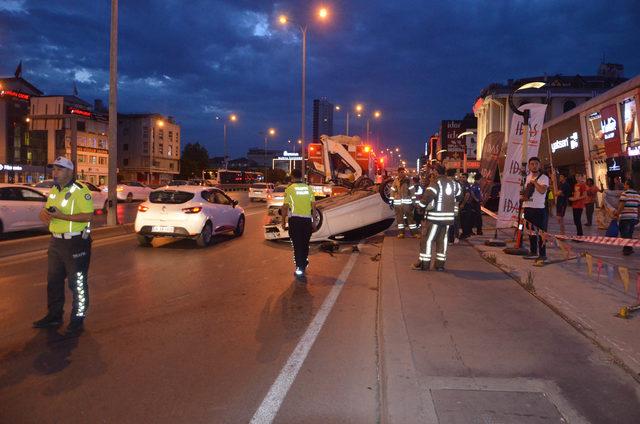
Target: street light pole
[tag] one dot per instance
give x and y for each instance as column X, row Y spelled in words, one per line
column 304, row 93
column 347, row 123
column 112, row 216
column 224, row 137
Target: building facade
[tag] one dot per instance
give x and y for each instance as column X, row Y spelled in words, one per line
column 22, row 160
column 59, row 122
column 148, row 148
column 322, row 118
column 560, row 94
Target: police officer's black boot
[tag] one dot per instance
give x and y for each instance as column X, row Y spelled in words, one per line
column 420, row 266
column 76, row 326
column 49, row 321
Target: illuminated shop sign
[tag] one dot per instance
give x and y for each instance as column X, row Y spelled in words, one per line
column 15, row 94
column 80, row 112
column 571, row 141
column 633, row 151
column 614, row 166
column 609, row 130
column 7, row 167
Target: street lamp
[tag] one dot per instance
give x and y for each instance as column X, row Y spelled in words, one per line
column 323, row 14
column 232, row 118
column 464, row 152
column 270, row 132
column 526, row 113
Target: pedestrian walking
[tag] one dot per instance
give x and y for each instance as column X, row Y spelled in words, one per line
column 578, row 200
column 590, row 202
column 533, row 199
column 68, row 212
column 562, row 200
column 402, row 203
column 440, row 200
column 628, row 213
column 297, row 214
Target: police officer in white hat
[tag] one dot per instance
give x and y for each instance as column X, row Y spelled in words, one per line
column 68, row 212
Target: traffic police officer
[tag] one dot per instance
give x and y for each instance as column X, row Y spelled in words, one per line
column 402, row 203
column 440, row 200
column 299, row 203
column 68, row 211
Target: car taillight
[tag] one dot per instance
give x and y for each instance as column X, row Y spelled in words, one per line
column 142, row 208
column 194, row 209
column 269, row 196
column 120, row 189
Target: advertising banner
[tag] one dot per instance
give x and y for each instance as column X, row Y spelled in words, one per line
column 489, row 162
column 449, row 132
column 511, row 176
column 610, row 131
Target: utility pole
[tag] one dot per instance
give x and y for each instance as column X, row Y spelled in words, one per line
column 112, row 216
column 303, row 150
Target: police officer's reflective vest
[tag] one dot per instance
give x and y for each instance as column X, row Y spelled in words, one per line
column 400, row 193
column 74, row 198
column 440, row 200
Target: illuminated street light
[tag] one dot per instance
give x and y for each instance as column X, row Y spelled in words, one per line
column 232, row 118
column 270, row 132
column 359, row 108
column 323, row 14
column 160, row 123
column 377, row 114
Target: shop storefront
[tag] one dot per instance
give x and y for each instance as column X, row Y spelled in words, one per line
column 21, row 174
column 565, row 148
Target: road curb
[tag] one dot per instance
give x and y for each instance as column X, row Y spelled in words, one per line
column 600, row 341
column 38, row 243
column 400, row 393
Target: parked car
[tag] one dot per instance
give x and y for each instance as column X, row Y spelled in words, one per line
column 275, row 199
column 98, row 196
column 260, row 191
column 131, row 190
column 188, row 212
column 20, row 207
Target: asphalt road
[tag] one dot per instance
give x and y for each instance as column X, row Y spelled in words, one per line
column 179, row 334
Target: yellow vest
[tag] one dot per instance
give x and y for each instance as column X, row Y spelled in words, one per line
column 299, row 196
column 72, row 199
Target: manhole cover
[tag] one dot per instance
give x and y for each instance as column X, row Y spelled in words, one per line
column 494, row 407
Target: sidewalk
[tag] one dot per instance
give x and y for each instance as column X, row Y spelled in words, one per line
column 471, row 345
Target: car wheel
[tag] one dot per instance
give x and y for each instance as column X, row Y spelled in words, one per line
column 239, row 227
column 316, row 219
column 144, row 241
column 129, row 197
column 204, row 238
column 362, row 183
column 385, row 190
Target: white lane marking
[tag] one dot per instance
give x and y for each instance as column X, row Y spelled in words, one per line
column 278, row 391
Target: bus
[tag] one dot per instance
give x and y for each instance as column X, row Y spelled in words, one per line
column 228, row 176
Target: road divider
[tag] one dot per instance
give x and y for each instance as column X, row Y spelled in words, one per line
column 39, row 243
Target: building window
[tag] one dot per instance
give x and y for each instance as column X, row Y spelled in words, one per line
column 169, row 150
column 145, row 132
column 125, row 147
column 161, row 134
column 82, row 158
column 568, row 105
column 125, row 131
column 81, row 126
column 161, row 148
column 170, row 135
column 125, row 162
column 102, row 160
column 171, row 165
column 93, row 159
column 145, row 146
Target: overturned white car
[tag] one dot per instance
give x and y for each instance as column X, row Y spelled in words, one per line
column 352, row 216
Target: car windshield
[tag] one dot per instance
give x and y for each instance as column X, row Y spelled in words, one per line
column 45, row 184
column 259, row 186
column 280, row 189
column 172, row 197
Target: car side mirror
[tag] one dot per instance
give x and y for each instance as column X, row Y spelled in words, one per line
column 234, row 203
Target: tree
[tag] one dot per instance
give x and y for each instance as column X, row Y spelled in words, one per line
column 194, row 160
column 275, row 175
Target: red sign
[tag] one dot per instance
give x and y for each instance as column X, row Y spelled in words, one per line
column 610, row 131
column 80, row 112
column 15, row 94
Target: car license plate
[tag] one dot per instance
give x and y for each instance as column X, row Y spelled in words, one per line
column 162, row 229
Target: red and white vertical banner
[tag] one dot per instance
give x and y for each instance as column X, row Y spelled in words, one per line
column 511, row 176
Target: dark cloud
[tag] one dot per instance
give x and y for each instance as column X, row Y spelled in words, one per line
column 418, row 61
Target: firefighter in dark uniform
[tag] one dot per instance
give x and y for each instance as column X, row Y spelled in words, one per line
column 297, row 214
column 440, row 200
column 402, row 203
column 68, row 211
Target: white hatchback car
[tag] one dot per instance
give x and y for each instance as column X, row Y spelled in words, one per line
column 260, row 191
column 98, row 196
column 188, row 212
column 20, row 207
column 131, row 190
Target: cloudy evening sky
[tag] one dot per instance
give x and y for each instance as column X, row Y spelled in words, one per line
column 417, row 61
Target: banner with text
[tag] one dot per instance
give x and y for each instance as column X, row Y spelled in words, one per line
column 489, row 162
column 511, row 176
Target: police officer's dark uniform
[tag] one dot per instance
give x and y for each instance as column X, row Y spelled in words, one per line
column 299, row 199
column 69, row 253
column 440, row 200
